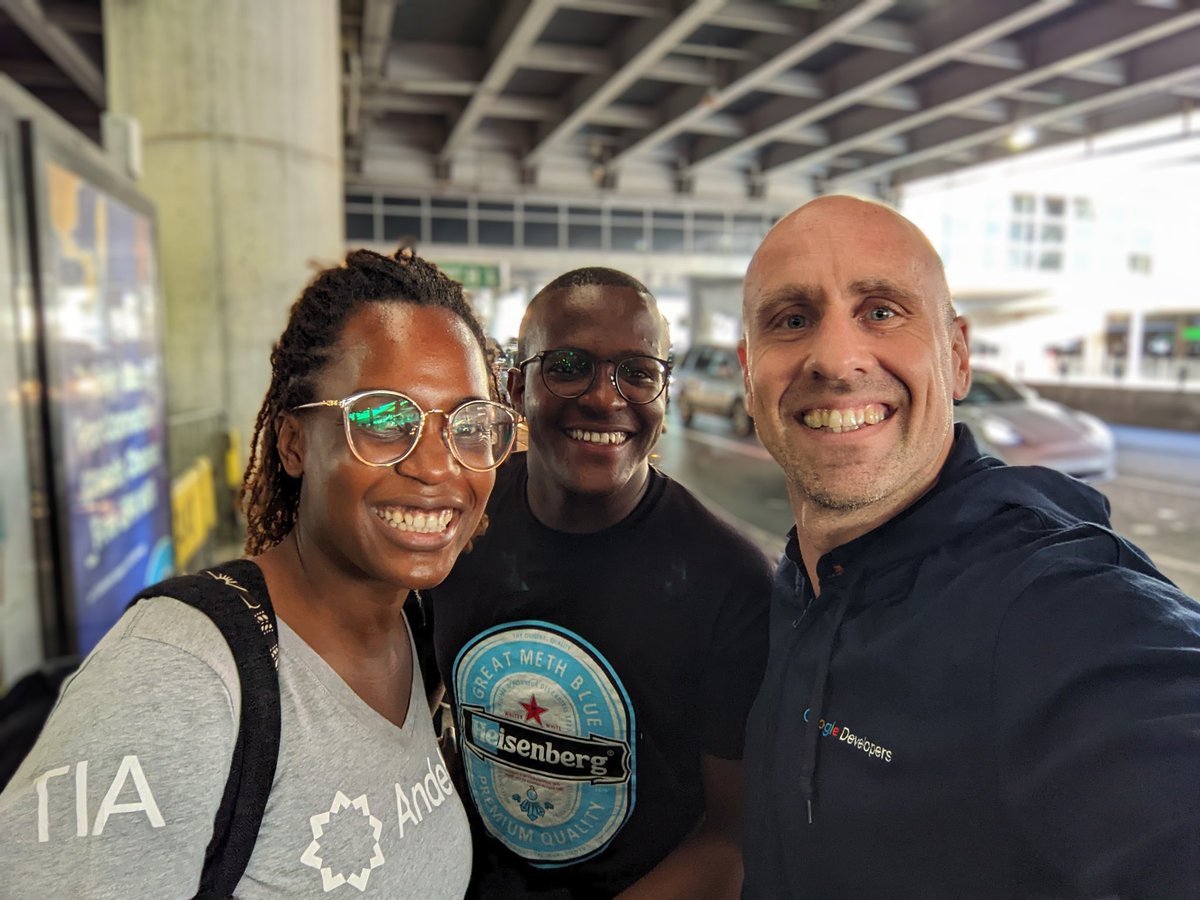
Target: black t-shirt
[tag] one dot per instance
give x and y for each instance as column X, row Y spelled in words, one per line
column 589, row 673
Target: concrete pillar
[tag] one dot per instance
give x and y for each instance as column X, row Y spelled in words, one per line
column 239, row 107
column 1133, row 350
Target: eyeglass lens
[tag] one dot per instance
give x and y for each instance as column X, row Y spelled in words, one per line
column 570, row 373
column 384, row 428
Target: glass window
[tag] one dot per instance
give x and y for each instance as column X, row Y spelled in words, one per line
column 1050, row 260
column 449, row 231
column 1054, row 206
column 709, row 241
column 408, row 202
column 497, row 234
column 540, row 210
column 541, row 234
column 1020, row 259
column 744, row 242
column 1140, row 263
column 491, row 206
column 622, row 238
column 448, row 203
column 397, row 227
column 360, row 227
column 668, row 240
column 360, row 198
column 1022, row 203
column 585, row 211
column 1052, row 234
column 584, row 237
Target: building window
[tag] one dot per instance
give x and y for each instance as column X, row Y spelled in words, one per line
column 360, row 227
column 1050, row 261
column 449, row 231
column 1140, row 263
column 422, row 219
column 497, row 234
column 1052, row 234
column 1023, row 204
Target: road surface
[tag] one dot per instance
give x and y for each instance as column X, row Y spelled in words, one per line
column 1155, row 497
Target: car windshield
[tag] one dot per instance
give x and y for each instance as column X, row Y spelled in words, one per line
column 987, row 387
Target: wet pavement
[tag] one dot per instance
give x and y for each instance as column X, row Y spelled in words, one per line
column 1155, row 497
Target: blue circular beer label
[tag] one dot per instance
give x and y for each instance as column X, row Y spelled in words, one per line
column 546, row 729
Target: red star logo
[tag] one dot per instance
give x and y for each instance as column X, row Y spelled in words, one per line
column 532, row 710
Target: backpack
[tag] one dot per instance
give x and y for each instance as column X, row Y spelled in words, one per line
column 25, row 708
column 234, row 595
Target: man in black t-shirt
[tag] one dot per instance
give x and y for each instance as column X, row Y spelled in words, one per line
column 603, row 642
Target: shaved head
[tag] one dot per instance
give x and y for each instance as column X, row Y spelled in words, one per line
column 793, row 228
column 591, row 276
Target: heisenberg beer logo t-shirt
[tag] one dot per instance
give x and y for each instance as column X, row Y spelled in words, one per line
column 547, row 744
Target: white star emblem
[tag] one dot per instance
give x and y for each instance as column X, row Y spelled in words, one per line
column 312, row 855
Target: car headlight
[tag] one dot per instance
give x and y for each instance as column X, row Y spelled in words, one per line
column 1096, row 429
column 999, row 432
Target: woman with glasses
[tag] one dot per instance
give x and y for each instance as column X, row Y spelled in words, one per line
column 373, row 457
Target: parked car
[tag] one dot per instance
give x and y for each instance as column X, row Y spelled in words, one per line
column 1013, row 423
column 708, row 379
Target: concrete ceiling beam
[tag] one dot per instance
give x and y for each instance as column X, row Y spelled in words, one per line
column 948, row 31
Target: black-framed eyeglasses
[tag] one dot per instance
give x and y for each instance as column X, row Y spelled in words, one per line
column 384, row 427
column 570, row 373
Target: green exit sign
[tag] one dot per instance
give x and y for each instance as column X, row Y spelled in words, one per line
column 1192, row 333
column 472, row 275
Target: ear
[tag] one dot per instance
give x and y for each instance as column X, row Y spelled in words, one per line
column 516, row 389
column 961, row 357
column 741, row 352
column 290, row 444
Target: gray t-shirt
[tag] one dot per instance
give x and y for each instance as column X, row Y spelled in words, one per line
column 118, row 797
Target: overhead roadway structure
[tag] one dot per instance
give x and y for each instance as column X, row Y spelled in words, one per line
column 718, row 100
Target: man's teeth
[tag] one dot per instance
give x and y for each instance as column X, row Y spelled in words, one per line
column 839, row 420
column 597, row 437
column 421, row 521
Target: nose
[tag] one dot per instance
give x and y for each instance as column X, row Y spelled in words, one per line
column 603, row 393
column 838, row 350
column 431, row 460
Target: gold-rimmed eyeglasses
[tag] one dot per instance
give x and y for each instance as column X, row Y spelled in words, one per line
column 384, row 427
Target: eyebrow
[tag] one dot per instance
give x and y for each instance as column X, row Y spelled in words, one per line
column 882, row 286
column 788, row 295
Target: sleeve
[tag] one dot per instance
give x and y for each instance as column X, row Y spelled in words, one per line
column 118, row 796
column 737, row 652
column 1097, row 702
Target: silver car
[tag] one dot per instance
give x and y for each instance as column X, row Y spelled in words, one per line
column 709, row 380
column 1013, row 423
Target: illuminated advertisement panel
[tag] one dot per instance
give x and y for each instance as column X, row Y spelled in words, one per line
column 101, row 316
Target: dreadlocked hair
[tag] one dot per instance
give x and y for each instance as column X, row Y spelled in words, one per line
column 270, row 497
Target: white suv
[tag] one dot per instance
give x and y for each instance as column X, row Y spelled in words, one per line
column 709, row 380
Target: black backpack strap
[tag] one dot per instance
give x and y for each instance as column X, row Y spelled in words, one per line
column 234, row 595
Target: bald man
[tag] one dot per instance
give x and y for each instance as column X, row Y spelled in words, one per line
column 975, row 688
column 603, row 642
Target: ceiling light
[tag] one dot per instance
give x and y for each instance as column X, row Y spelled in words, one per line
column 1022, row 137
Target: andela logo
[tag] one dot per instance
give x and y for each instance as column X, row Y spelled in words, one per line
column 846, row 736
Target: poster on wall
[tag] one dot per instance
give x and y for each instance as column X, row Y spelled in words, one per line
column 104, row 368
